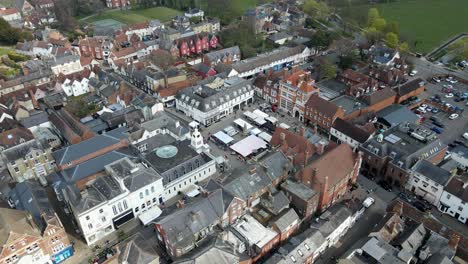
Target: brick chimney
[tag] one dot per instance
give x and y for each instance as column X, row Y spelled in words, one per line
column 283, row 139
column 181, row 203
column 453, row 241
column 320, row 147
column 398, row 208
column 285, row 73
column 302, row 131
column 306, row 157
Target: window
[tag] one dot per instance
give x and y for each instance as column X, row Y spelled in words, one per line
column 125, row 205
column 12, row 247
column 16, row 169
column 141, row 195
column 460, row 208
column 154, row 200
column 120, row 207
column 103, row 219
column 101, row 211
column 143, row 206
column 90, row 226
column 152, row 189
column 87, row 217
column 137, row 209
column 147, row 192
column 114, row 209
column 448, row 196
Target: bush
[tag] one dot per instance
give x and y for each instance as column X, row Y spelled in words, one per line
column 17, row 57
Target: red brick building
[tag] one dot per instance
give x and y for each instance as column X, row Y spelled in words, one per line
column 294, row 146
column 357, row 83
column 332, row 174
column 321, row 112
column 70, row 128
column 117, row 3
column 303, row 198
column 409, row 89
column 195, row 45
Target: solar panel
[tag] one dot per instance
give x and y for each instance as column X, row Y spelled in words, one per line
column 392, row 138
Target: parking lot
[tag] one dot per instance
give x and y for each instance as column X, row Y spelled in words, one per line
column 437, row 94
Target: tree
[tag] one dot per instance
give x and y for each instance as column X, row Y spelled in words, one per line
column 372, row 35
column 347, row 61
column 326, row 69
column 322, row 39
column 10, row 35
column 392, row 27
column 391, row 39
column 64, row 12
column 404, row 48
column 372, row 16
column 316, row 9
column 343, row 46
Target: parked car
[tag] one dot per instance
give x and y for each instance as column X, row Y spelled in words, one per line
column 459, row 142
column 405, row 197
column 421, row 206
column 368, row 202
column 453, row 116
column 451, row 145
column 385, row 185
column 435, row 79
column 435, row 110
column 413, row 73
column 437, row 130
column 449, row 95
column 465, row 135
column 438, row 123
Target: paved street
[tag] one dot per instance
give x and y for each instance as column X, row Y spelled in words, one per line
column 365, row 224
column 426, row 68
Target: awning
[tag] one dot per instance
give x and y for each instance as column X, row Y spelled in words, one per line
column 259, row 121
column 265, row 136
column 260, row 113
column 150, row 214
column 231, row 131
column 283, row 125
column 249, row 145
column 250, row 115
column 271, row 119
column 223, row 137
column 192, row 191
column 255, row 131
column 242, row 124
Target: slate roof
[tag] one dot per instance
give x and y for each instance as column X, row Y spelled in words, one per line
column 267, row 58
column 137, row 250
column 31, row 197
column 396, row 114
column 286, row 220
column 134, row 176
column 206, row 99
column 299, row 189
column 94, row 165
column 35, row 119
column 165, row 120
column 276, row 165
column 248, row 183
column 182, row 226
column 217, row 55
column 432, row 172
column 20, row 151
column 74, row 152
column 378, row 96
column 351, row 130
column 410, row 86
column 275, row 203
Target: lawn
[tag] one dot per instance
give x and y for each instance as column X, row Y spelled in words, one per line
column 136, row 15
column 4, row 51
column 426, row 23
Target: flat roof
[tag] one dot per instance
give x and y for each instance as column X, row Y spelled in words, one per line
column 249, row 145
column 254, row 232
column 223, row 137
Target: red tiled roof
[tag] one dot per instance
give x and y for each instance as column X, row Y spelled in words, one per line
column 295, row 145
column 8, row 11
column 325, row 107
column 302, row 80
column 14, row 137
column 354, row 76
column 334, row 164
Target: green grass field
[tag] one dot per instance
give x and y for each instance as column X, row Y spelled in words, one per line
column 136, row 15
column 4, row 51
column 429, row 22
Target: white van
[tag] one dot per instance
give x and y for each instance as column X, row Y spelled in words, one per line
column 465, row 135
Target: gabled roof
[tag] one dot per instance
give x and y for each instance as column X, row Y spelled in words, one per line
column 137, row 250
column 323, row 106
column 433, row 172
column 14, row 137
column 248, row 183
column 351, row 130
column 14, row 223
column 458, row 187
column 286, row 220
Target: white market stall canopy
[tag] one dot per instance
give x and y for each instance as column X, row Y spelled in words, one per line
column 250, row 115
column 259, row 121
column 260, row 113
column 284, row 126
column 150, row 214
column 241, row 123
column 223, row 137
column 230, row 130
column 255, row 131
column 249, row 145
column 265, row 136
column 271, row 119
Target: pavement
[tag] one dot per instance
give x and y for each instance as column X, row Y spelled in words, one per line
column 427, row 68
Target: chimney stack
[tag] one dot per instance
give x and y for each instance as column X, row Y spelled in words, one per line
column 453, row 241
column 181, row 203
column 285, row 73
column 302, row 131
column 320, row 147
